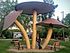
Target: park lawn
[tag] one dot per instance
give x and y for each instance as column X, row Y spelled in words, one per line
column 5, row 44
column 64, row 50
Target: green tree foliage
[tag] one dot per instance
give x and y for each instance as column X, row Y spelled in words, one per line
column 49, row 15
column 6, row 6
column 49, row 1
column 25, row 20
column 66, row 20
column 7, row 34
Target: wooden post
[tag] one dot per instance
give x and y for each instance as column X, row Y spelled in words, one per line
column 47, row 38
column 34, row 30
column 24, row 33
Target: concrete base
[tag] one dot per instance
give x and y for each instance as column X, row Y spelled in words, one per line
column 30, row 50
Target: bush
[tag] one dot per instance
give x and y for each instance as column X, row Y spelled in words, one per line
column 7, row 34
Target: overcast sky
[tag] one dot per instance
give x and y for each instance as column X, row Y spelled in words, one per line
column 63, row 5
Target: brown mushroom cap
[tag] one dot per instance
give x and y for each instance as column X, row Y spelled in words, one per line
column 10, row 18
column 51, row 21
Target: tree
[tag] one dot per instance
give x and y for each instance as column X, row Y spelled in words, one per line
column 49, row 15
column 7, row 34
column 66, row 20
column 58, row 18
column 24, row 20
column 6, row 6
column 49, row 1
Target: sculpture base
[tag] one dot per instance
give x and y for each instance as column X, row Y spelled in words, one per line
column 30, row 50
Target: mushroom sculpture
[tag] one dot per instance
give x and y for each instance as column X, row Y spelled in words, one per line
column 52, row 23
column 31, row 8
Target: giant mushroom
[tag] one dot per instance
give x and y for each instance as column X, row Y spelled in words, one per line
column 31, row 8
column 51, row 22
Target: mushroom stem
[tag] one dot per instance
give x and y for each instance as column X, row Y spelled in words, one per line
column 34, row 30
column 24, row 33
column 47, row 38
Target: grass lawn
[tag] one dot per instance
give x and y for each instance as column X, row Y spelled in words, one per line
column 4, row 45
column 64, row 50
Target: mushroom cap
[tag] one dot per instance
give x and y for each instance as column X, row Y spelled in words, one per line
column 51, row 21
column 40, row 7
column 10, row 18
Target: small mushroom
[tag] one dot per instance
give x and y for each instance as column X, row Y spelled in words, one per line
column 52, row 23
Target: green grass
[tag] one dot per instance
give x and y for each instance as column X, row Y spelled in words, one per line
column 64, row 50
column 4, row 45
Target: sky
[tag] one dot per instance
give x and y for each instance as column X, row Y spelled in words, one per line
column 63, row 6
